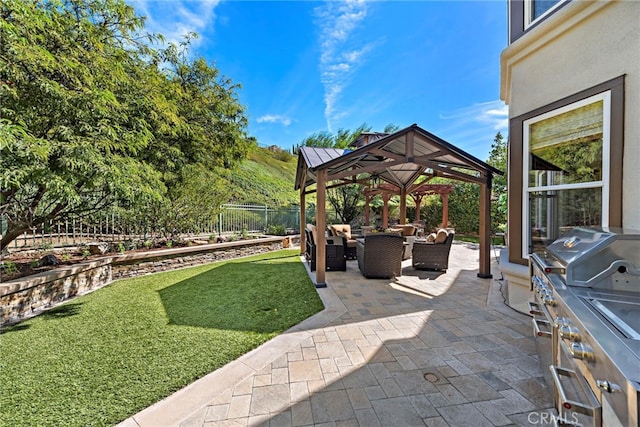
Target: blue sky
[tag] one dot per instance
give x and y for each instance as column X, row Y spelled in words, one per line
column 311, row 66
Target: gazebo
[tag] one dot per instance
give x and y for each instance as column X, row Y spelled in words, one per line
column 399, row 159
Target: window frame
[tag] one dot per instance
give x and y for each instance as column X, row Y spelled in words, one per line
column 604, row 184
column 518, row 23
column 617, row 87
column 529, row 21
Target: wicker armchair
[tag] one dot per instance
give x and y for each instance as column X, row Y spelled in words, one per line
column 344, row 230
column 380, row 255
column 432, row 255
column 335, row 255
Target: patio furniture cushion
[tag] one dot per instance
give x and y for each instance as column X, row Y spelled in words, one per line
column 431, row 237
column 406, row 229
column 441, row 236
column 314, row 232
column 344, row 230
column 340, row 230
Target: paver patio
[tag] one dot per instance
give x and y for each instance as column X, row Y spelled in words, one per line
column 428, row 348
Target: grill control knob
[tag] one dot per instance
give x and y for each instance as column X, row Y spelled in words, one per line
column 582, row 351
column 570, row 333
column 562, row 321
column 548, row 299
column 607, row 386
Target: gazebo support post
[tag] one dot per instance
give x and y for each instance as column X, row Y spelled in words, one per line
column 417, row 198
column 445, row 209
column 303, row 221
column 321, row 226
column 485, row 230
column 385, row 209
column 367, row 201
column 403, row 205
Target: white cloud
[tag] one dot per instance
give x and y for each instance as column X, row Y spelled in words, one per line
column 274, row 118
column 339, row 58
column 473, row 128
column 493, row 113
column 174, row 19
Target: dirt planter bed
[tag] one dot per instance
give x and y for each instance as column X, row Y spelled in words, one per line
column 26, row 297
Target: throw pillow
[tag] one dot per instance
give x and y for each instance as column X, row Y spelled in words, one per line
column 441, row 236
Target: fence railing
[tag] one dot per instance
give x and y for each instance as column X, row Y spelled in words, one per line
column 113, row 227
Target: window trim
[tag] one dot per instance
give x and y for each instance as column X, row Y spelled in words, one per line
column 604, row 183
column 617, row 87
column 528, row 13
column 518, row 25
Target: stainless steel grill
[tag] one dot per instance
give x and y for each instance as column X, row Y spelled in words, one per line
column 587, row 324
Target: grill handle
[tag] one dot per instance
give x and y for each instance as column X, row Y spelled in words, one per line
column 534, row 309
column 538, row 331
column 615, row 266
column 592, row 409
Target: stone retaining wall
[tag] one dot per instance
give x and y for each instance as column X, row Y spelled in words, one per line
column 26, row 297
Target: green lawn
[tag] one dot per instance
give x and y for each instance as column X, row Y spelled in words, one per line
column 103, row 357
column 476, row 239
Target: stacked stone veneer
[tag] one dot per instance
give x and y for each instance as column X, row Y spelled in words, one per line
column 26, row 297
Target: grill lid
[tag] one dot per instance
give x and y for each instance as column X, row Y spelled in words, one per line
column 594, row 256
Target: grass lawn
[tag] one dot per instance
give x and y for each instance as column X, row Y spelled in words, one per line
column 476, row 239
column 103, row 357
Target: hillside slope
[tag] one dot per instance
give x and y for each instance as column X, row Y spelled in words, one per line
column 266, row 178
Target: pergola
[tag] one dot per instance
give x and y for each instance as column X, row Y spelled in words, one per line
column 416, row 191
column 399, row 159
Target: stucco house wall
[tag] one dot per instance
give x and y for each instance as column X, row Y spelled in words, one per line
column 580, row 46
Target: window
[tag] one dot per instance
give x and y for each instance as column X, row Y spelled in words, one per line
column 536, row 9
column 565, row 170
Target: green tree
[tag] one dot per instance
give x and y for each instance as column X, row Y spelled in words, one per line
column 346, row 199
column 464, row 207
column 92, row 115
column 498, row 159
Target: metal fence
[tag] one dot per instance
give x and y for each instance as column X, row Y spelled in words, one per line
column 113, row 227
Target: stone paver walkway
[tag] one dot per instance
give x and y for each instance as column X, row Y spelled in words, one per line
column 427, row 348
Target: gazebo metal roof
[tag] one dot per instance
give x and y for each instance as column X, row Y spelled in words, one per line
column 399, row 158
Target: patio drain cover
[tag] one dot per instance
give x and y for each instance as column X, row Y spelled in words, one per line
column 432, row 378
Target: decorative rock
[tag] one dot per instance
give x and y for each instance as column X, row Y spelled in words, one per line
column 98, row 248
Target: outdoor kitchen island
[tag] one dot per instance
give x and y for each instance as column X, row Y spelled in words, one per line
column 587, row 324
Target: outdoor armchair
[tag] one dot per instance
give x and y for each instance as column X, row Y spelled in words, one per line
column 335, row 255
column 433, row 255
column 380, row 255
